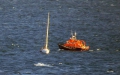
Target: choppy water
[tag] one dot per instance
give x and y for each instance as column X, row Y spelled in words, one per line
column 22, row 29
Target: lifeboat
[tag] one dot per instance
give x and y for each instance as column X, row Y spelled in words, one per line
column 73, row 44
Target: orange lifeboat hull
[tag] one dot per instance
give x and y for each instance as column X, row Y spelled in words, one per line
column 85, row 48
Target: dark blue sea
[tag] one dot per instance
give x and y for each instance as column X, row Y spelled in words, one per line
column 23, row 28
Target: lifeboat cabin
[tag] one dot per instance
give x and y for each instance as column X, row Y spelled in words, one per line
column 73, row 44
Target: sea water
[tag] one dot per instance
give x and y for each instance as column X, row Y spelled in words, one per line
column 22, row 35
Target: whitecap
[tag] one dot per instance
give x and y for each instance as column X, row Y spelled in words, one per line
column 112, row 5
column 42, row 64
column 59, row 49
column 98, row 49
column 91, row 50
column 60, row 63
column 110, row 71
column 117, row 50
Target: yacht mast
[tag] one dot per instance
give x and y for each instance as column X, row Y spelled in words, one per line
column 46, row 41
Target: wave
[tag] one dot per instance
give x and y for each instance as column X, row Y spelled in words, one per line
column 1, row 71
column 42, row 64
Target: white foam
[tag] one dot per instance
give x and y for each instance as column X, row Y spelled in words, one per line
column 59, row 49
column 117, row 50
column 91, row 50
column 60, row 63
column 110, row 71
column 42, row 64
column 98, row 49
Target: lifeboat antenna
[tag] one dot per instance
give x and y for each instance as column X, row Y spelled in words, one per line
column 75, row 34
column 45, row 48
column 71, row 33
